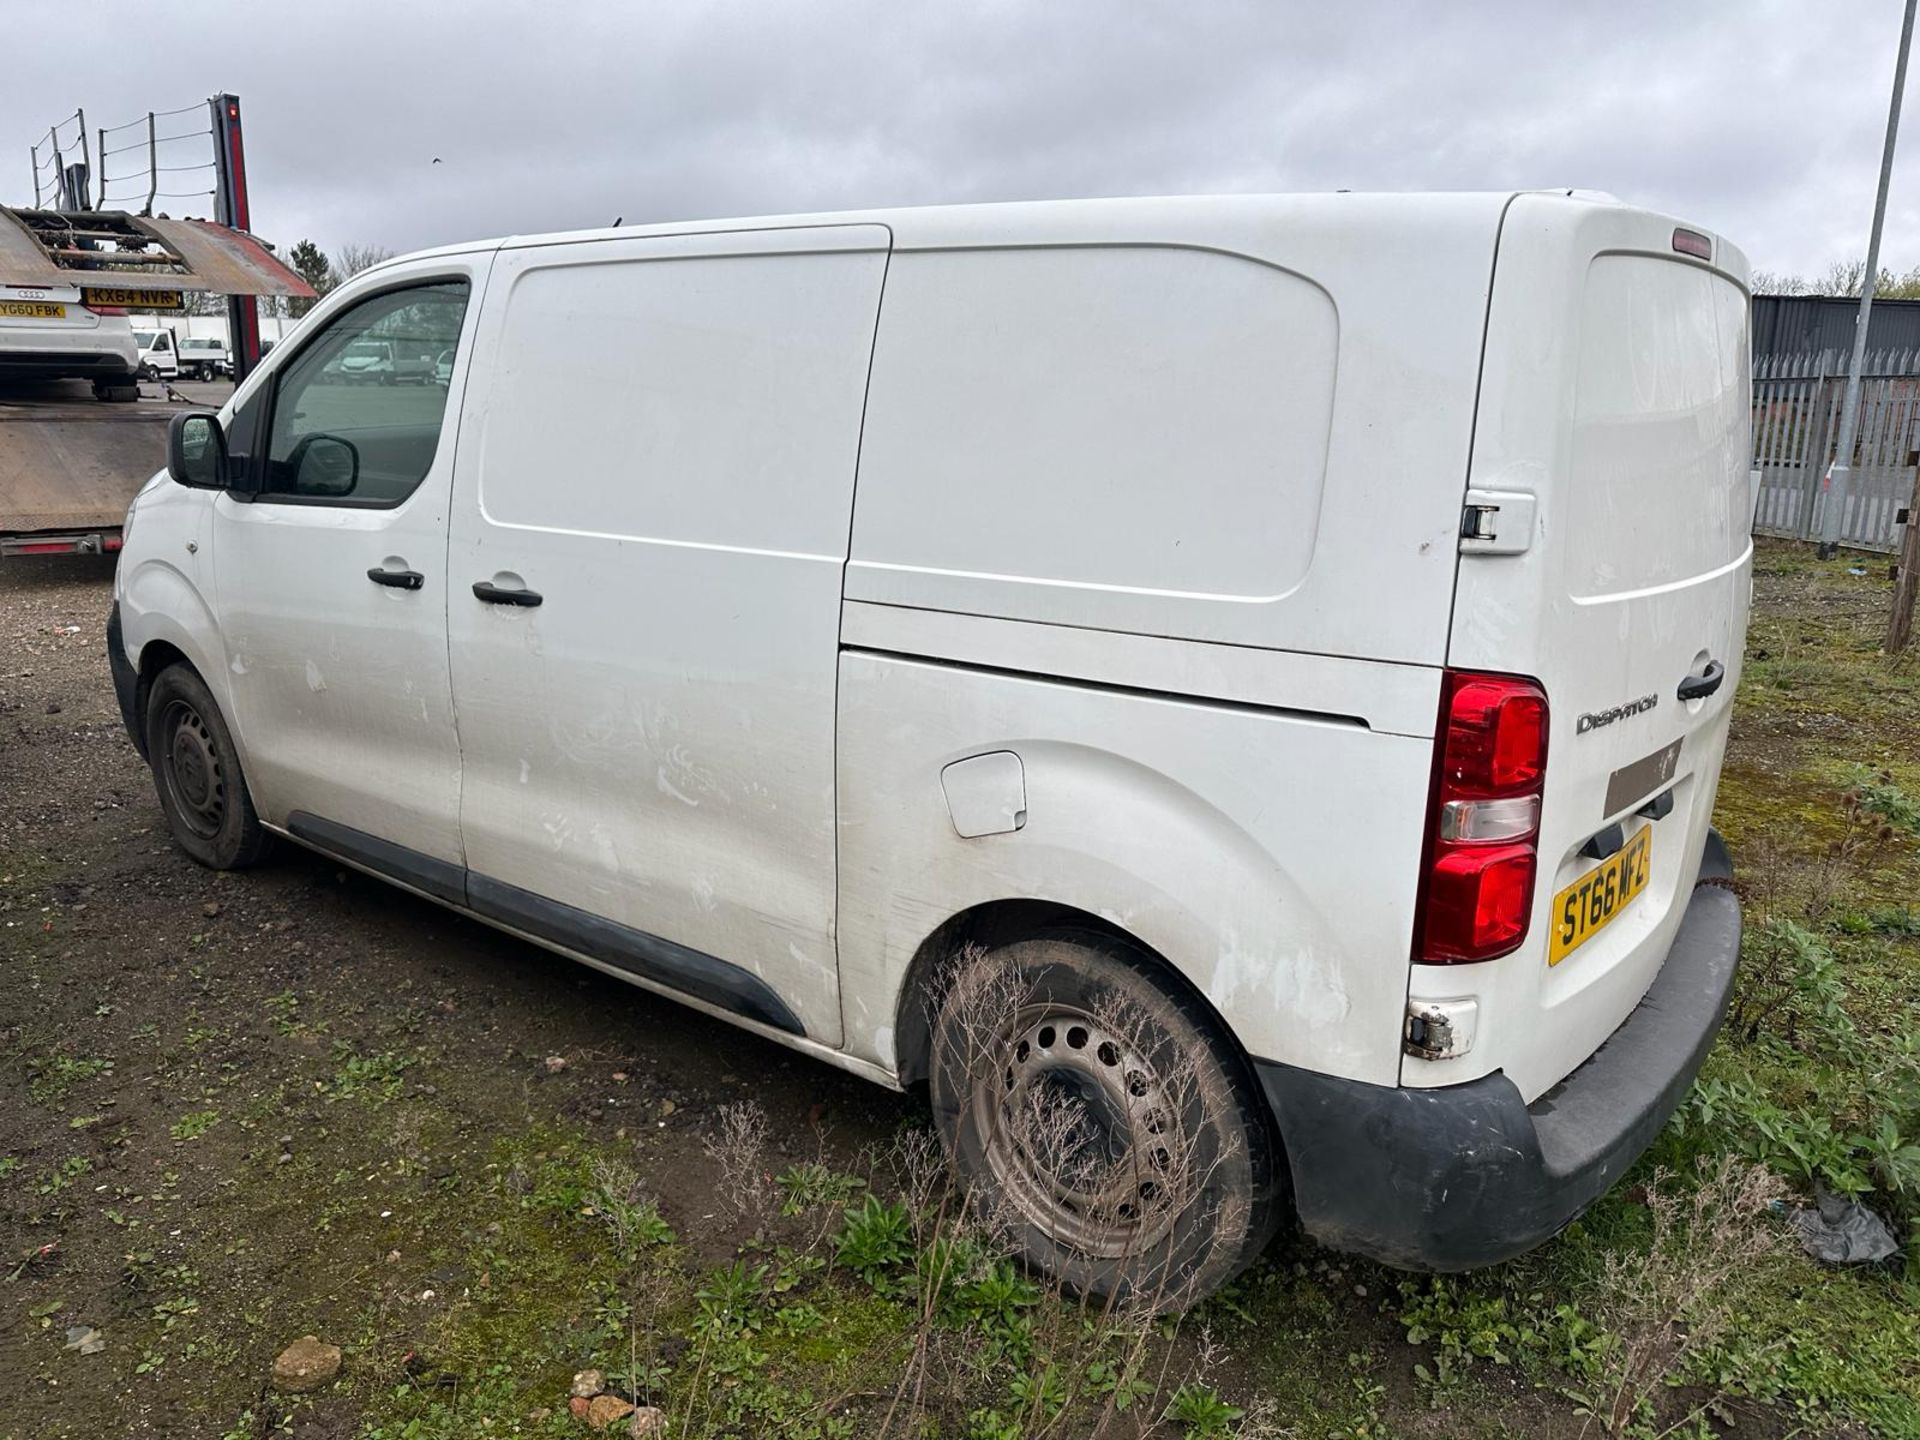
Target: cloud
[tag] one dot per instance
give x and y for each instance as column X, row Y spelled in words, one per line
column 1749, row 118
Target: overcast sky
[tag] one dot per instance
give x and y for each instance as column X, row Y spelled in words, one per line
column 1761, row 120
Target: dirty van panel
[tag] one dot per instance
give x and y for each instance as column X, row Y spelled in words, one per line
column 1193, row 437
column 1243, row 422
column 1615, row 396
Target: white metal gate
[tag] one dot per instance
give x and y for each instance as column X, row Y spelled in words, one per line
column 1796, row 427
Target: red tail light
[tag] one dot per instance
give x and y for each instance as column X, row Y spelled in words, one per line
column 107, row 309
column 1483, row 827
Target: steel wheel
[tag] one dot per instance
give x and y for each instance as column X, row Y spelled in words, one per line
column 1080, row 1133
column 195, row 774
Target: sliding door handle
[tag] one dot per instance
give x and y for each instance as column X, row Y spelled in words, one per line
column 505, row 595
column 398, row 579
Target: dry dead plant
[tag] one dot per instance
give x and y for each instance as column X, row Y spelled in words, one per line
column 738, row 1147
column 1678, row 1296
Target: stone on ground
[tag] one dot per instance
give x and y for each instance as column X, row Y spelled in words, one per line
column 306, row 1364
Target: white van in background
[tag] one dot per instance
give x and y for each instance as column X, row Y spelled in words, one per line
column 1227, row 691
column 158, row 358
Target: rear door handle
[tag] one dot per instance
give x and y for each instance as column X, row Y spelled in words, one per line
column 1699, row 687
column 398, row 579
column 504, row 595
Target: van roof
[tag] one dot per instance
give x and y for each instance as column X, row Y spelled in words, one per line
column 1179, row 218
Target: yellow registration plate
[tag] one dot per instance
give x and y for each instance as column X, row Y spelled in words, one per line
column 1595, row 900
column 32, row 310
column 135, row 299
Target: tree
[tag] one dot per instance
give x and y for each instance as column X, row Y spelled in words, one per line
column 350, row 260
column 310, row 262
column 1842, row 278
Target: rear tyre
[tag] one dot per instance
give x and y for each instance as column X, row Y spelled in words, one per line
column 1098, row 1118
column 197, row 773
column 117, row 391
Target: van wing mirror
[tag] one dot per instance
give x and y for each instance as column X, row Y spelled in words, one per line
column 197, row 451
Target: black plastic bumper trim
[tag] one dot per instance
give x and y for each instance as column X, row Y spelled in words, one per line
column 664, row 961
column 1469, row 1175
column 441, row 879
column 635, row 951
column 126, row 682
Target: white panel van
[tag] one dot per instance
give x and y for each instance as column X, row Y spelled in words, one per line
column 1227, row 693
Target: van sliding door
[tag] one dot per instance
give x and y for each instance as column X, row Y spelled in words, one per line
column 649, row 533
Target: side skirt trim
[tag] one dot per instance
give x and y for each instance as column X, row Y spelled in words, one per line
column 441, row 879
column 676, row 966
column 663, row 962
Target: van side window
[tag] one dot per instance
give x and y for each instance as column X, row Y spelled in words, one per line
column 357, row 414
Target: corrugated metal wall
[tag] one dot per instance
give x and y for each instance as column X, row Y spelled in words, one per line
column 1809, row 324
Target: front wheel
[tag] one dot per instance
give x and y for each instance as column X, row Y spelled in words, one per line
column 197, row 773
column 1100, row 1121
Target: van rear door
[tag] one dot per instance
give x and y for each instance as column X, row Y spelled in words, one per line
column 1610, row 482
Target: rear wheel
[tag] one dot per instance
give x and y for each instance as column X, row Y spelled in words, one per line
column 1098, row 1118
column 197, row 772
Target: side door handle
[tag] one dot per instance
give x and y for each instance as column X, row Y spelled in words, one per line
column 505, row 595
column 1699, row 687
column 398, row 579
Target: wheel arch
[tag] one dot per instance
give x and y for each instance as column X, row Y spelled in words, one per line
column 999, row 922
column 155, row 656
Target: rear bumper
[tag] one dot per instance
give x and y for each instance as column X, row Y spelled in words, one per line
column 85, row 351
column 126, row 681
column 1469, row 1175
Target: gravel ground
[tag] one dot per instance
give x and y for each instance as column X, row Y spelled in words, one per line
column 235, row 1109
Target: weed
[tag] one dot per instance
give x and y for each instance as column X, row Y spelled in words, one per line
column 194, row 1124
column 1114, row 1381
column 284, row 1011
column 369, row 1077
column 1039, row 1391
column 1677, row 1295
column 50, row 1079
column 999, row 1305
column 1789, row 983
column 1200, row 1412
column 877, row 1239
column 730, row 1300
column 810, row 1184
column 53, row 1181
column 620, row 1203
column 737, row 1149
column 986, row 1424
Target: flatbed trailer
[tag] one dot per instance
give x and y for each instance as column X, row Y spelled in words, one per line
column 69, row 466
column 70, row 463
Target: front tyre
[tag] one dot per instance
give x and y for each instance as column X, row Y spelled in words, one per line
column 1102, row 1123
column 197, row 773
